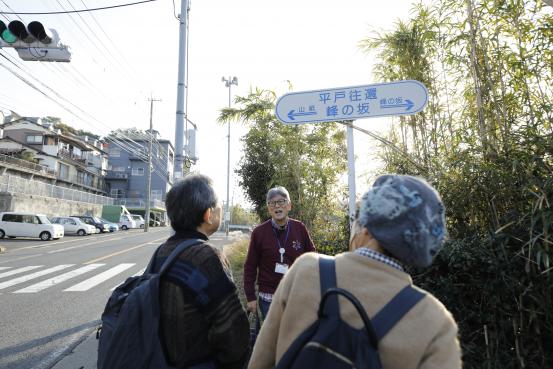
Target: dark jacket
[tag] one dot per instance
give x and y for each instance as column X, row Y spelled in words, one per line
column 210, row 326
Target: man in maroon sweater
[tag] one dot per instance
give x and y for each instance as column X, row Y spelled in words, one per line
column 274, row 246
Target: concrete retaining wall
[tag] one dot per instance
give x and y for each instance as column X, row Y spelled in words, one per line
column 46, row 205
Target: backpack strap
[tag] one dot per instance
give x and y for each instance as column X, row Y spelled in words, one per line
column 395, row 309
column 327, row 278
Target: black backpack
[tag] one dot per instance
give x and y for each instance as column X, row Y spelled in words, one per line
column 332, row 343
column 129, row 334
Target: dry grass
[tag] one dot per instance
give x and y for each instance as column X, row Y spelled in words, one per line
column 236, row 255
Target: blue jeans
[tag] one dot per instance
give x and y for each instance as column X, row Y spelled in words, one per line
column 264, row 308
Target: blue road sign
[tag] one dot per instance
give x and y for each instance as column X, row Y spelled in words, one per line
column 350, row 103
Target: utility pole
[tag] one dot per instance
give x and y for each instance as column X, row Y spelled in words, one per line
column 149, row 183
column 181, row 90
column 228, row 83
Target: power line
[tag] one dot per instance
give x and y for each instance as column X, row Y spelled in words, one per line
column 79, row 10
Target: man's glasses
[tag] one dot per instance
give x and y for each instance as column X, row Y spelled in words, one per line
column 280, row 202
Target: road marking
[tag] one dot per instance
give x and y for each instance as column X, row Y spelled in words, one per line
column 99, row 278
column 46, row 244
column 58, row 279
column 83, row 245
column 122, row 251
column 134, row 275
column 2, row 268
column 21, row 258
column 28, row 277
column 20, row 270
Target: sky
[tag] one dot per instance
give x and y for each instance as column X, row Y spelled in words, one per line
column 122, row 57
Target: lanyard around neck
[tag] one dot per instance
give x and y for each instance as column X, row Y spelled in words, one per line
column 281, row 249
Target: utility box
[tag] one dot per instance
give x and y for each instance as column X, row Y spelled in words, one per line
column 113, row 213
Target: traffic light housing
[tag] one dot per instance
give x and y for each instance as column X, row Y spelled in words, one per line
column 33, row 42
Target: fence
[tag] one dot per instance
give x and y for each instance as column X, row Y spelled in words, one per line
column 14, row 184
column 140, row 203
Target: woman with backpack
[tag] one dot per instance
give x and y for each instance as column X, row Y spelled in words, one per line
column 395, row 325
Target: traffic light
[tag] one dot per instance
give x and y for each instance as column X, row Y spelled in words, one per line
column 33, row 42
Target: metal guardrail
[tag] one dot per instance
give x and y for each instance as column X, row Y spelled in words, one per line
column 27, row 165
column 139, row 203
column 14, row 184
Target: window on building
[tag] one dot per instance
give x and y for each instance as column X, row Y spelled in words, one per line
column 114, row 152
column 118, row 169
column 137, row 171
column 63, row 171
column 156, row 195
column 117, row 193
column 34, row 139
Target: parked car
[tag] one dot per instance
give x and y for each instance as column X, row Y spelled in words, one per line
column 126, row 222
column 94, row 221
column 13, row 224
column 72, row 225
column 154, row 223
column 138, row 220
column 112, row 227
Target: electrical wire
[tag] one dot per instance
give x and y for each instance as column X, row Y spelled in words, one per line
column 128, row 146
column 80, row 10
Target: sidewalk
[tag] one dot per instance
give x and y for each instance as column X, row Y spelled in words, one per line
column 83, row 356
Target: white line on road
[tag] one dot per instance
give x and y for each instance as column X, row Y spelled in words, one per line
column 20, row 270
column 58, row 279
column 21, row 258
column 121, row 252
column 83, row 245
column 134, row 275
column 99, row 278
column 2, row 268
column 28, row 277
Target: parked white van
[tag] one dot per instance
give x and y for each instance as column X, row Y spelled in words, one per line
column 126, row 222
column 74, row 226
column 139, row 220
column 13, row 224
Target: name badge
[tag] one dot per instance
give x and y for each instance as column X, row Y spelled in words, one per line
column 281, row 268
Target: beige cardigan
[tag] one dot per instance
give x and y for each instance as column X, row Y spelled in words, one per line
column 426, row 337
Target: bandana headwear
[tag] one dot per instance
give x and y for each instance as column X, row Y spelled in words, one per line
column 406, row 216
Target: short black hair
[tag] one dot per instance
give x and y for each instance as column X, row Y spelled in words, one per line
column 188, row 200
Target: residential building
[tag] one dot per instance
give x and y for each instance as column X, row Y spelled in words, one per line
column 71, row 161
column 127, row 176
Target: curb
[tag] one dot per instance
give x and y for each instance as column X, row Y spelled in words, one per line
column 82, row 356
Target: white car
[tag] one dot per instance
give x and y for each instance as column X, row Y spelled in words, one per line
column 126, row 222
column 74, row 226
column 14, row 224
column 139, row 220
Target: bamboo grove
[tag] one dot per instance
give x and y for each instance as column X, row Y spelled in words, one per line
column 485, row 140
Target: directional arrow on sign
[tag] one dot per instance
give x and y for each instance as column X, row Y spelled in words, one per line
column 292, row 114
column 408, row 104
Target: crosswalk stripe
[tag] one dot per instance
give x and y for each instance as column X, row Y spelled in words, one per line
column 20, row 270
column 99, row 278
column 134, row 275
column 58, row 279
column 28, row 277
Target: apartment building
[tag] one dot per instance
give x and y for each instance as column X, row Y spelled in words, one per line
column 127, row 175
column 76, row 162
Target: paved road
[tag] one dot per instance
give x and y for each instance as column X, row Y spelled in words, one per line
column 52, row 293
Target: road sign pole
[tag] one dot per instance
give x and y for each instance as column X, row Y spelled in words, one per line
column 351, row 172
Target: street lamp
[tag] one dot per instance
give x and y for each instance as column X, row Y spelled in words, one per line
column 228, row 83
